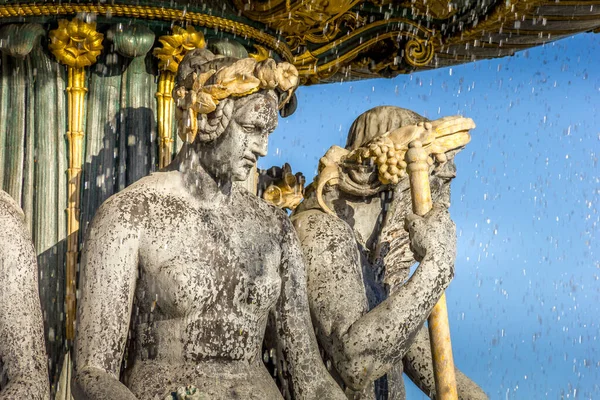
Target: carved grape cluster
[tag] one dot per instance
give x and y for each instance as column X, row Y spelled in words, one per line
column 389, row 158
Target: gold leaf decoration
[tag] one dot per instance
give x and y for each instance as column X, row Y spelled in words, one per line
column 176, row 46
column 76, row 43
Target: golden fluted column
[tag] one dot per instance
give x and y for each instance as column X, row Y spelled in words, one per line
column 175, row 47
column 76, row 44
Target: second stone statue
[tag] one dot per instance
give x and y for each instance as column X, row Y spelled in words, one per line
column 184, row 269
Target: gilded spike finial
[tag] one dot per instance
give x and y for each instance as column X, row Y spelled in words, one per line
column 175, row 47
column 76, row 44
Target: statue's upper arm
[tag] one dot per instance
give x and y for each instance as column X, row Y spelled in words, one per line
column 21, row 324
column 334, row 274
column 107, row 284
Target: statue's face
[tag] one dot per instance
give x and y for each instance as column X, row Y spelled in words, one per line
column 440, row 179
column 236, row 151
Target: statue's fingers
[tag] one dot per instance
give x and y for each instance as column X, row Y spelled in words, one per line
column 439, row 207
column 410, row 220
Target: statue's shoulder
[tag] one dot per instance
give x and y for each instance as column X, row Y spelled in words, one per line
column 9, row 207
column 14, row 234
column 322, row 226
column 254, row 204
column 134, row 203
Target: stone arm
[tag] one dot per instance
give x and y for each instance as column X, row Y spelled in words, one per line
column 109, row 267
column 365, row 346
column 295, row 335
column 22, row 348
column 418, row 366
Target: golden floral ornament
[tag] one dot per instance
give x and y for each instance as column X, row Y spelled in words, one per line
column 241, row 78
column 176, row 46
column 76, row 43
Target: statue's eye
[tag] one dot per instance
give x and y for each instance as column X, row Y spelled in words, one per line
column 249, row 128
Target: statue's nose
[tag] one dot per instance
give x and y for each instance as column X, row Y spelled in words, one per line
column 261, row 146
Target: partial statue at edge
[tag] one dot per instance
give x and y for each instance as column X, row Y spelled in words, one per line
column 181, row 271
column 23, row 362
column 367, row 312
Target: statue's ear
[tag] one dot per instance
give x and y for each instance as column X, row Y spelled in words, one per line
column 290, row 107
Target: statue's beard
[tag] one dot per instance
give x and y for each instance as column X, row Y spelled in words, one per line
column 389, row 244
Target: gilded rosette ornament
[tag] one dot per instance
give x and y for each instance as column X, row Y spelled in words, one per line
column 175, row 47
column 76, row 44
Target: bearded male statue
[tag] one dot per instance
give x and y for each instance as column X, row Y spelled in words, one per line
column 23, row 362
column 190, row 267
column 360, row 238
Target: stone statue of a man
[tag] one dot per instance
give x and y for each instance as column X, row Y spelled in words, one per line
column 367, row 312
column 23, row 362
column 188, row 267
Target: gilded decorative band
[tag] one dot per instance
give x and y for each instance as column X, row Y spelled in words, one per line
column 148, row 12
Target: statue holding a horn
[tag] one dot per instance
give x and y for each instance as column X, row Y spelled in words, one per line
column 360, row 239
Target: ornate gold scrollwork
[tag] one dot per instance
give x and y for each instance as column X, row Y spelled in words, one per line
column 76, row 44
column 315, row 21
column 175, row 47
column 419, row 52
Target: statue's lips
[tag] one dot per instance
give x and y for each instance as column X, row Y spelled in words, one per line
column 249, row 160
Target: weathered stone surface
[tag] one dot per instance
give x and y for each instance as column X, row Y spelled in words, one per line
column 365, row 310
column 23, row 365
column 184, row 269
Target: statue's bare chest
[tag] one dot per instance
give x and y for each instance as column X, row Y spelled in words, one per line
column 209, row 263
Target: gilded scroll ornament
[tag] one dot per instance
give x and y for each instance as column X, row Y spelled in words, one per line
column 261, row 53
column 175, row 47
column 76, row 44
column 419, row 52
column 315, row 21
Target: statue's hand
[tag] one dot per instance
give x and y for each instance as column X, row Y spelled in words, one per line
column 433, row 235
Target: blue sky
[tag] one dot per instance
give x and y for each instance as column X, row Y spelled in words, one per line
column 524, row 306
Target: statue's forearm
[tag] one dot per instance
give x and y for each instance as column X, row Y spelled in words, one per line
column 381, row 337
column 30, row 387
column 96, row 384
